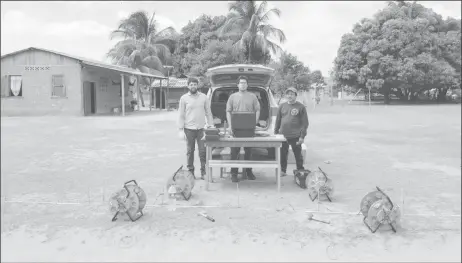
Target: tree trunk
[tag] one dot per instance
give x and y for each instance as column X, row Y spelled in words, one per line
column 400, row 95
column 441, row 94
column 386, row 94
column 413, row 97
column 250, row 52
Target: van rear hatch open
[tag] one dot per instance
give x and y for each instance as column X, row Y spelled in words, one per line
column 220, row 97
column 258, row 76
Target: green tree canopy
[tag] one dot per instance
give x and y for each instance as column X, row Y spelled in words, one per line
column 143, row 46
column 201, row 47
column 253, row 21
column 404, row 49
column 289, row 72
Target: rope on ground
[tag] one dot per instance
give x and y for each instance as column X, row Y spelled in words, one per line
column 257, row 208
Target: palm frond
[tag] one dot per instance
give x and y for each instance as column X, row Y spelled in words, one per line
column 144, row 69
column 135, row 59
column 124, row 61
column 121, row 33
column 239, row 48
column 170, row 43
column 122, row 48
column 226, row 28
column 261, row 9
column 253, row 25
column 152, row 28
column 265, row 43
column 247, row 37
column 238, row 7
column 269, row 30
column 265, row 18
column 126, row 23
column 139, row 23
column 153, row 62
column 166, row 32
column 161, row 51
column 250, row 8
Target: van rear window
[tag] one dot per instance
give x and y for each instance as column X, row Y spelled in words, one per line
column 232, row 78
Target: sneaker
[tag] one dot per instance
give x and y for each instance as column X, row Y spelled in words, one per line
column 283, row 174
column 234, row 178
column 250, row 175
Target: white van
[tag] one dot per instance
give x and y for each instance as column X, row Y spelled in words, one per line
column 223, row 81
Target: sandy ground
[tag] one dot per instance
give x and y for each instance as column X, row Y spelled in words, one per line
column 413, row 152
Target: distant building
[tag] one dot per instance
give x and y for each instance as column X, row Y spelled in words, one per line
column 176, row 88
column 37, row 81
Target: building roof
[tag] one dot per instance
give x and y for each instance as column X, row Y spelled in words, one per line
column 94, row 63
column 172, row 83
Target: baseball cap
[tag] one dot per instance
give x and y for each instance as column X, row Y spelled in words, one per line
column 292, row 89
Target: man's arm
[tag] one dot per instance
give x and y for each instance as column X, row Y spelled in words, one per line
column 229, row 109
column 304, row 121
column 181, row 110
column 277, row 125
column 256, row 105
column 208, row 112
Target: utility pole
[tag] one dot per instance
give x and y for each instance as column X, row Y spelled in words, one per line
column 315, row 94
column 369, row 98
column 168, row 84
column 331, row 94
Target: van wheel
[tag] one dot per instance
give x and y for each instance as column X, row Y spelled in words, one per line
column 271, row 153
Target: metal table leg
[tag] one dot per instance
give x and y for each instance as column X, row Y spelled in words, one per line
column 208, row 175
column 278, row 170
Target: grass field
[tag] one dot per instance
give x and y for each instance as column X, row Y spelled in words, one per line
column 413, row 152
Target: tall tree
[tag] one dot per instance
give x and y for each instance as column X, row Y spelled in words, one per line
column 317, row 77
column 201, row 47
column 254, row 19
column 404, row 49
column 289, row 72
column 143, row 46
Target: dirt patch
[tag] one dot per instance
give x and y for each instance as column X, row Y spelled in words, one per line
column 85, row 160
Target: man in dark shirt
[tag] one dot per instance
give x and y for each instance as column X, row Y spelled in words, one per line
column 238, row 102
column 292, row 122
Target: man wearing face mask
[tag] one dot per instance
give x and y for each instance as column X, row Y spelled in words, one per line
column 194, row 110
column 238, row 102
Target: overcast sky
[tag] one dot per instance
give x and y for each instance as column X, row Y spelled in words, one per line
column 313, row 29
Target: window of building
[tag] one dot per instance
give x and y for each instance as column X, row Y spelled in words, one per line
column 12, row 86
column 58, row 88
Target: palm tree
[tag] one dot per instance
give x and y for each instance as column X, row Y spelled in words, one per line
column 143, row 47
column 254, row 19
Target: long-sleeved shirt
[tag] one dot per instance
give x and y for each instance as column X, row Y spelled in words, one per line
column 193, row 111
column 291, row 120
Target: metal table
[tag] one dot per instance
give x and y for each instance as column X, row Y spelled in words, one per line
column 257, row 142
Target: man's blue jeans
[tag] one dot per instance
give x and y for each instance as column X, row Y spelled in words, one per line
column 193, row 137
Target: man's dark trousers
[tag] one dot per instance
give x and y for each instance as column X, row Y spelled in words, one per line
column 296, row 148
column 193, row 136
column 235, row 154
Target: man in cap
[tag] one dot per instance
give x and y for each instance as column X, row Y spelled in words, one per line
column 292, row 122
